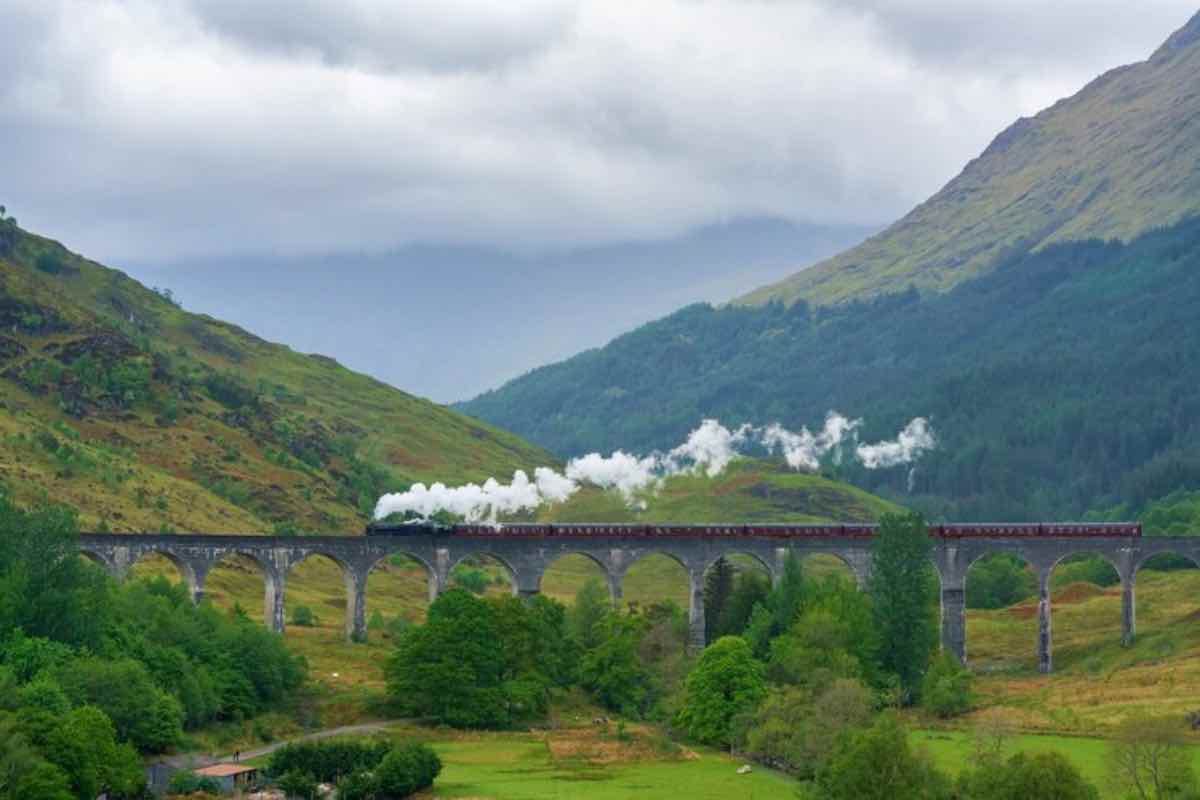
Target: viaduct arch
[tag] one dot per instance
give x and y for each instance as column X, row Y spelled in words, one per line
column 528, row 551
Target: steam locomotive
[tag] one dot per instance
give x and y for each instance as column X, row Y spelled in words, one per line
column 956, row 531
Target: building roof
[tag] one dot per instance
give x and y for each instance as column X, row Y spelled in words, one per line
column 225, row 770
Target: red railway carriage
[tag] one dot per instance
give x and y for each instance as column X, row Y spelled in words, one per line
column 1035, row 530
column 855, row 531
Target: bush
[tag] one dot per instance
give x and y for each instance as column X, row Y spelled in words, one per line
column 1086, row 569
column 409, row 768
column 297, row 784
column 1025, row 777
column 879, row 763
column 328, row 760
column 795, row 731
column 303, row 617
column 947, row 689
column 999, row 580
column 49, row 263
column 475, row 581
column 187, row 782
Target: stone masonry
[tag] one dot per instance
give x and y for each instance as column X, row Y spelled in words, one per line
column 528, row 557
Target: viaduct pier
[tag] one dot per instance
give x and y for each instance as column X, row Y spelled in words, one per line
column 528, row 550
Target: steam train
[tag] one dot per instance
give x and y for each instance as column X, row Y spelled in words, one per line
column 954, row 531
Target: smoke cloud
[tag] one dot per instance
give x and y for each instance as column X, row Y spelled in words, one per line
column 709, row 449
column 912, row 441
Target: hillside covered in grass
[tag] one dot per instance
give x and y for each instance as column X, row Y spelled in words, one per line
column 118, row 402
column 748, row 491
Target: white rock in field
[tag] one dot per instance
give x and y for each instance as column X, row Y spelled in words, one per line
column 744, row 768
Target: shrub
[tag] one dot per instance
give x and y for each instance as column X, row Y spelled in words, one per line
column 187, row 782
column 299, row 785
column 879, row 763
column 303, row 617
column 1084, row 568
column 795, row 731
column 475, row 581
column 999, row 580
column 947, row 689
column 328, row 760
column 1025, row 776
column 407, row 769
column 49, row 263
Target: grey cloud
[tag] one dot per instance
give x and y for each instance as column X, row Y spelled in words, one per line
column 159, row 131
column 450, row 35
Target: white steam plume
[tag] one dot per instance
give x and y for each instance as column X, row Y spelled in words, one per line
column 621, row 471
column 915, row 439
column 805, row 449
column 708, row 449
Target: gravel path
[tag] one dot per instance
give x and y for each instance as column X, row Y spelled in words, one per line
column 193, row 760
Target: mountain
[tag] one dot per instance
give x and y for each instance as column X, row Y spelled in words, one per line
column 144, row 416
column 396, row 314
column 1115, row 160
column 1058, row 369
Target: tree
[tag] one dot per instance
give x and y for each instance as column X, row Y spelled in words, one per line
column 46, row 590
column 613, row 672
column 749, row 589
column 42, row 781
column 1043, row 776
column 726, row 682
column 879, row 764
column 786, row 599
column 1150, row 758
column 718, row 586
column 84, row 745
column 24, row 774
column 448, row 668
column 815, row 652
column 903, row 601
column 143, row 714
column 795, row 731
column 591, row 607
column 947, row 690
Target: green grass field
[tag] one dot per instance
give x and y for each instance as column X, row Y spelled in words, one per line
column 523, row 767
column 954, row 750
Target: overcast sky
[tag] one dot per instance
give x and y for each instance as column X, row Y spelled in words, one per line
column 177, row 132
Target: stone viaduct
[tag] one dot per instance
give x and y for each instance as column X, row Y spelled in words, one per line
column 527, row 551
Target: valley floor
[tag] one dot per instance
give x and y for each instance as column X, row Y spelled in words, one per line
column 1096, row 681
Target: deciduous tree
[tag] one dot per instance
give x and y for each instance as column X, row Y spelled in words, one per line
column 726, row 682
column 903, row 600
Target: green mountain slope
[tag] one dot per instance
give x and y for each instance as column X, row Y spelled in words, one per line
column 748, row 491
column 1115, row 160
column 1064, row 381
column 143, row 415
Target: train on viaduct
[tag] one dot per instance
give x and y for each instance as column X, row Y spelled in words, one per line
column 527, row 550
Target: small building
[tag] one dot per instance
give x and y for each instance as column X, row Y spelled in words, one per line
column 231, row 777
